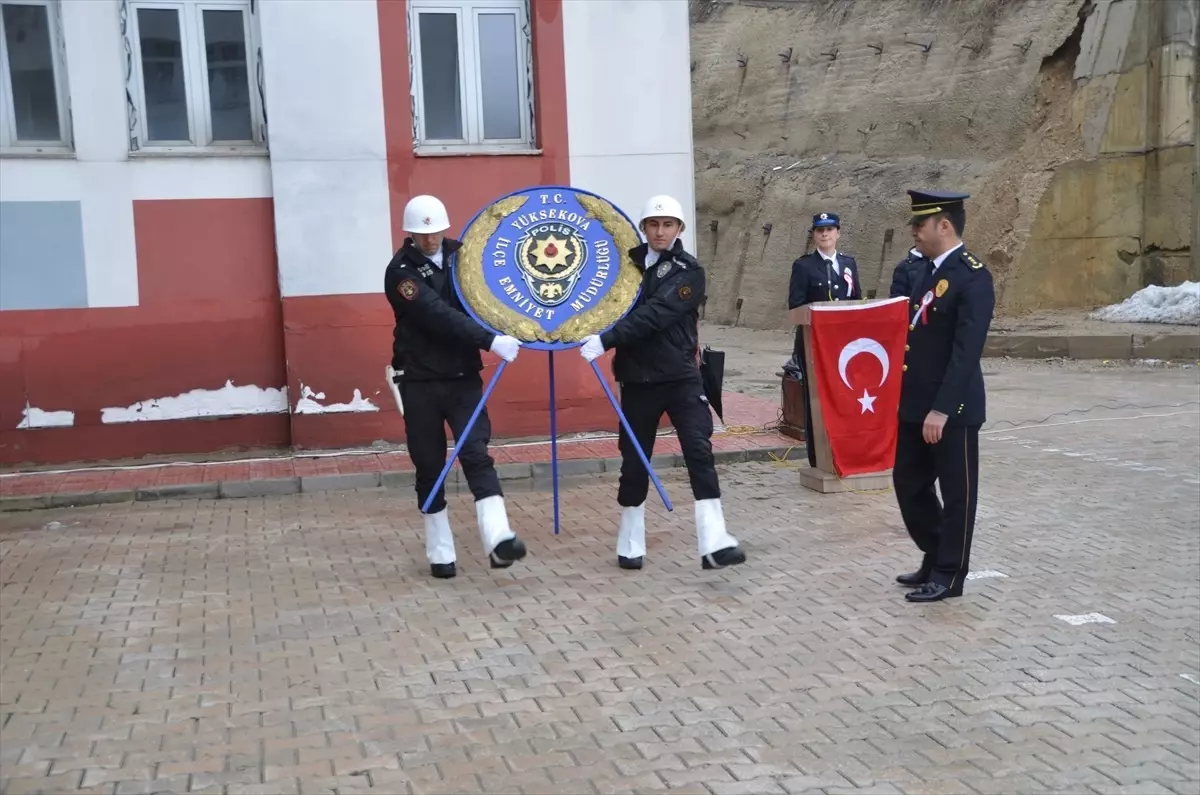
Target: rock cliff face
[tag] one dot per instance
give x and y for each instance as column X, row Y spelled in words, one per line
column 1070, row 122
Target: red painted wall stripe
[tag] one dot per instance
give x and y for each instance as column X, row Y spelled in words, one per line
column 208, row 312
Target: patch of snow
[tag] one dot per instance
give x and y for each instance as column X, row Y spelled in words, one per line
column 1178, row 305
column 1086, row 618
column 307, row 404
column 987, row 574
column 227, row 401
column 33, row 417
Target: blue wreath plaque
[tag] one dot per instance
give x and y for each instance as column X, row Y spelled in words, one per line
column 548, row 265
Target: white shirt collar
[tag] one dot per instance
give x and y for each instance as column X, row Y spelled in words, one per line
column 652, row 257
column 937, row 262
column 436, row 259
column 833, row 258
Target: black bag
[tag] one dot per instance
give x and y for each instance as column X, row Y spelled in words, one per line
column 712, row 374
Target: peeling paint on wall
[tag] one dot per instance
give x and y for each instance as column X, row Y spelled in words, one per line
column 33, row 417
column 308, row 403
column 227, row 401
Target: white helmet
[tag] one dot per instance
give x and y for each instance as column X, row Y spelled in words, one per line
column 425, row 215
column 663, row 206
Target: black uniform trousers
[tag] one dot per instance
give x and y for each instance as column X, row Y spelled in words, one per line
column 798, row 351
column 685, row 405
column 942, row 532
column 428, row 407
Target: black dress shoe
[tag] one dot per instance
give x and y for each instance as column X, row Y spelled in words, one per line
column 729, row 556
column 918, row 577
column 506, row 552
column 629, row 563
column 933, row 592
column 443, row 571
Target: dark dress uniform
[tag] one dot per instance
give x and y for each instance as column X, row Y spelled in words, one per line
column 951, row 310
column 906, row 272
column 656, row 364
column 436, row 355
column 815, row 279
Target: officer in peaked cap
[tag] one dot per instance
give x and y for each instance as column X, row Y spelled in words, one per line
column 942, row 401
column 824, row 274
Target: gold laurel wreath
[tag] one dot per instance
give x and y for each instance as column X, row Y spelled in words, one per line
column 496, row 314
column 490, row 309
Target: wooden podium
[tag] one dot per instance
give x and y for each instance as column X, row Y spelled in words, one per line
column 824, row 478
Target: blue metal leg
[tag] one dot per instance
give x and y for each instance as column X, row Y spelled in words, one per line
column 554, row 441
column 636, row 446
column 462, row 438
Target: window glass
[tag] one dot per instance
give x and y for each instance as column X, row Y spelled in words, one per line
column 228, row 75
column 441, row 84
column 163, row 75
column 498, row 76
column 31, row 65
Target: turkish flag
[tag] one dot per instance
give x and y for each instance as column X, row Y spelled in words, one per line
column 858, row 352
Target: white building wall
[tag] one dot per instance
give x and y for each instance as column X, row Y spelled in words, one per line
column 324, row 90
column 101, row 175
column 629, row 102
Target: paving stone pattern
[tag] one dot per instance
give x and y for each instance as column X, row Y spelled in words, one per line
column 295, row 644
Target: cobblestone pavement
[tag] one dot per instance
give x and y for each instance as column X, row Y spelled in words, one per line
column 296, row 644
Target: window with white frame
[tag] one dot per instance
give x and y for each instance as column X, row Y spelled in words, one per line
column 194, row 75
column 33, row 82
column 471, row 75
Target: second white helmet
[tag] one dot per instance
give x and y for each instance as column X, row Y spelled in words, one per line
column 425, row 215
column 662, row 206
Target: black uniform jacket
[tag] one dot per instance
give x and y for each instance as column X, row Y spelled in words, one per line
column 908, row 270
column 942, row 369
column 658, row 339
column 434, row 337
column 814, row 279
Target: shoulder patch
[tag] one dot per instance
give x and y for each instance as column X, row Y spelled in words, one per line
column 684, row 292
column 972, row 261
column 407, row 289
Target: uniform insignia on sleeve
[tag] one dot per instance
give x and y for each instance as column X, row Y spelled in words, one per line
column 974, row 263
column 408, row 289
column 685, row 292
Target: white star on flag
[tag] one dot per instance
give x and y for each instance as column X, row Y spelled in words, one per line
column 868, row 402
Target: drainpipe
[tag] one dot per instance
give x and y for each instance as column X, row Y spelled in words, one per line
column 1195, row 143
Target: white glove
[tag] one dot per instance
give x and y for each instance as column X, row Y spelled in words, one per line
column 506, row 347
column 592, row 348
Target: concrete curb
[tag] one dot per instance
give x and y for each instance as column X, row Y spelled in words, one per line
column 1115, row 346
column 534, row 476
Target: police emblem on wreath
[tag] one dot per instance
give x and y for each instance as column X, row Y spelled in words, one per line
column 548, row 265
column 551, row 258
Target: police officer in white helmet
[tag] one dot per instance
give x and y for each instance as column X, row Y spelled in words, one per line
column 657, row 366
column 435, row 354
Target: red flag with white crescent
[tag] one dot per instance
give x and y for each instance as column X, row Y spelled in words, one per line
column 858, row 355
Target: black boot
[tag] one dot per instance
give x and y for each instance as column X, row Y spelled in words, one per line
column 933, row 592
column 729, row 556
column 629, row 563
column 443, row 571
column 918, row 577
column 506, row 552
